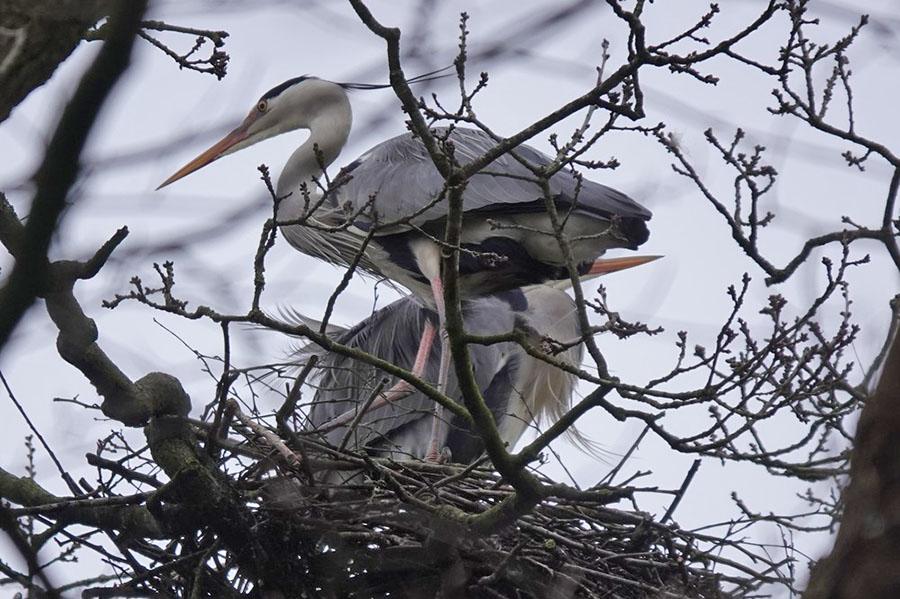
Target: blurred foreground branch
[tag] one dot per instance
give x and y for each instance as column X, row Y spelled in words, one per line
column 60, row 167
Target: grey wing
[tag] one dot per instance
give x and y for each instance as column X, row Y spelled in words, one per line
column 295, row 318
column 392, row 334
column 404, row 182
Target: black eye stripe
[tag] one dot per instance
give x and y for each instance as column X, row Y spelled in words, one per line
column 280, row 88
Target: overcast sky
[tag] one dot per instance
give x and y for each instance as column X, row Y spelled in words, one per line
column 178, row 113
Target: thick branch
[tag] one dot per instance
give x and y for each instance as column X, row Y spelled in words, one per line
column 60, row 166
column 866, row 554
column 131, row 519
column 38, row 35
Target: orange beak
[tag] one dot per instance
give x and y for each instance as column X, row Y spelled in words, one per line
column 608, row 265
column 212, row 154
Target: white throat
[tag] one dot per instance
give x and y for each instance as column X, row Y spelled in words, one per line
column 328, row 131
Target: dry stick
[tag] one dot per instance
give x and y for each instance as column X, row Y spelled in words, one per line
column 117, row 468
column 224, row 384
column 70, row 482
column 290, row 402
column 362, row 412
column 887, row 222
column 68, row 504
column 398, row 391
column 122, row 589
column 345, row 280
column 681, row 491
column 216, row 37
column 462, row 474
column 10, row 525
column 608, row 479
column 271, row 438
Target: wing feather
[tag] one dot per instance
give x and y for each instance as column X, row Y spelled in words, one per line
column 393, row 334
column 404, row 181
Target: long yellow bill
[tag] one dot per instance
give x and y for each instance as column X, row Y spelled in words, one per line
column 211, row 155
column 604, row 266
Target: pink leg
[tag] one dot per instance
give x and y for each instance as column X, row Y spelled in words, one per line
column 400, row 389
column 438, row 424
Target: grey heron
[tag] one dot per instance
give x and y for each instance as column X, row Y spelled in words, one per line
column 393, row 195
column 518, row 388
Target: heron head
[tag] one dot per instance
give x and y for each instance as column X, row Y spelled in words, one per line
column 292, row 105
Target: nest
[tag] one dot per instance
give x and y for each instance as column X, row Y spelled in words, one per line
column 403, row 529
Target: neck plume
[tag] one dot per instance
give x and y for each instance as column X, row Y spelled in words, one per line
column 328, row 131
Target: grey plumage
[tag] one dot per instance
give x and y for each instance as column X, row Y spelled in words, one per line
column 507, row 239
column 506, row 232
column 395, row 188
column 518, row 389
column 402, row 177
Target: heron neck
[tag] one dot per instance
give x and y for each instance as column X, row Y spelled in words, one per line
column 328, row 133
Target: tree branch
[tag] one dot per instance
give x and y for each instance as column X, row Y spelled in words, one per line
column 60, row 167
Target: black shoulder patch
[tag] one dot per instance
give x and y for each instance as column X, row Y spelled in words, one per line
column 345, row 174
column 633, row 228
column 515, row 298
column 280, row 88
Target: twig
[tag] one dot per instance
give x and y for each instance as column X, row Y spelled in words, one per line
column 271, row 438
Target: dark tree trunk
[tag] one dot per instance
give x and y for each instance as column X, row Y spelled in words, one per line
column 865, row 561
column 36, row 36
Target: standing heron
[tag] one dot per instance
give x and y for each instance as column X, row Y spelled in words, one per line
column 387, row 333
column 519, row 390
column 393, row 196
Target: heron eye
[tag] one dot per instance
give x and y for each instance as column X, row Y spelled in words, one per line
column 262, row 106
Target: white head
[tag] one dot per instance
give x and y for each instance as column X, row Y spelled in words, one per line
column 300, row 103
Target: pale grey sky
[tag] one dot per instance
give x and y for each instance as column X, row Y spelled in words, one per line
column 156, row 103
